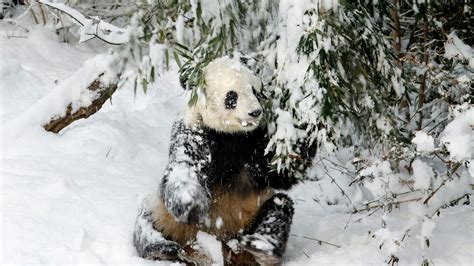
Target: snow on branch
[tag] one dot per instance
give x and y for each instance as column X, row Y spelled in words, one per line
column 92, row 27
column 79, row 96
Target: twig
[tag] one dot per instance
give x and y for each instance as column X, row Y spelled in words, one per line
column 32, row 12
column 455, row 168
column 307, row 256
column 338, row 165
column 103, row 30
column 319, row 203
column 435, row 126
column 43, row 15
column 348, row 221
column 107, row 154
column 380, row 205
column 317, row 240
column 334, row 181
column 342, row 170
column 451, row 203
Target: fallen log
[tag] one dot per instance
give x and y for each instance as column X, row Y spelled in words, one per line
column 102, row 91
column 78, row 96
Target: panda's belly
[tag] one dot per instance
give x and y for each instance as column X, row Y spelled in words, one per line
column 232, row 212
column 229, row 212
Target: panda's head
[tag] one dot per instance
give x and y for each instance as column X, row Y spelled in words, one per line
column 230, row 101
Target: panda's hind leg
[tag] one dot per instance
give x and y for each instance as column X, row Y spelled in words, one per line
column 268, row 233
column 150, row 243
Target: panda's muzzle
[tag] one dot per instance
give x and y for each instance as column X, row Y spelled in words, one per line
column 249, row 123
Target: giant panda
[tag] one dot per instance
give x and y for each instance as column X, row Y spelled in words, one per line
column 218, row 178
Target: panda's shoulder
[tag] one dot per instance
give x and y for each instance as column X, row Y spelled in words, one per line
column 192, row 136
column 181, row 126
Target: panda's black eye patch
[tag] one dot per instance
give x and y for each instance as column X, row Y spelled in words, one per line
column 231, row 100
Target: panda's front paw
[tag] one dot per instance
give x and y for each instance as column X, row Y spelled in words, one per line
column 262, row 248
column 188, row 204
column 163, row 250
column 190, row 213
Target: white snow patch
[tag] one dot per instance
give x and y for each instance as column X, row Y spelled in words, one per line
column 422, row 174
column 71, row 91
column 423, row 142
column 455, row 48
column 219, row 223
column 458, row 136
column 426, row 232
column 211, row 246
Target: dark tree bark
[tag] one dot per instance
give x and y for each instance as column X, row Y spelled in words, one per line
column 421, row 93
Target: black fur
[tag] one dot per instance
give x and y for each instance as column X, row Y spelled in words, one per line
column 234, row 152
column 149, row 243
column 230, row 101
column 190, row 150
column 272, row 225
column 215, row 159
column 218, row 158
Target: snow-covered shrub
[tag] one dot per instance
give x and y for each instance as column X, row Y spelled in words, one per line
column 383, row 89
column 429, row 166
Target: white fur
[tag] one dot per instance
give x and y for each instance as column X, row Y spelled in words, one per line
column 223, row 75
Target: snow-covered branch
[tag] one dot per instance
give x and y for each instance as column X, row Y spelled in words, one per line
column 92, row 27
column 79, row 96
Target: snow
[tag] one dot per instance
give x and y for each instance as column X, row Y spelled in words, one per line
column 455, row 48
column 219, row 222
column 422, row 174
column 458, row 136
column 426, row 231
column 211, row 246
column 72, row 91
column 423, row 142
column 72, row 198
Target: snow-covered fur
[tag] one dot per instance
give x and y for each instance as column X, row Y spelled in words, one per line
column 218, row 178
column 222, row 76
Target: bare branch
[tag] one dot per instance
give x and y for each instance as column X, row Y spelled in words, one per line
column 92, row 26
column 455, row 168
column 317, row 240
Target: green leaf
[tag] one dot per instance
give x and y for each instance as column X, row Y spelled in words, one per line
column 145, row 85
column 135, row 86
column 176, row 58
column 152, row 74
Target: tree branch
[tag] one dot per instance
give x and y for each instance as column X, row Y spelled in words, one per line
column 455, row 168
column 92, row 26
column 103, row 93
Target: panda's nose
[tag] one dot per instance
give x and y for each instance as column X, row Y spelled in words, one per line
column 255, row 113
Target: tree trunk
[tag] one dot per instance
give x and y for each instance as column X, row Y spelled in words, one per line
column 422, row 92
column 103, row 93
column 396, row 32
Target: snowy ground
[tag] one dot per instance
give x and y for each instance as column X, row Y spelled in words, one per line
column 72, row 198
